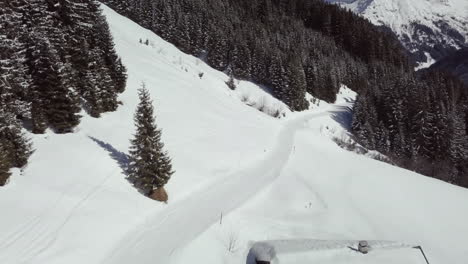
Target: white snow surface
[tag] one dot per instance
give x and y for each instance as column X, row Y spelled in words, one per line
column 427, row 64
column 241, row 176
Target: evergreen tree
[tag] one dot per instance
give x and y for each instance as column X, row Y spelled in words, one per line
column 218, row 56
column 150, row 166
column 14, row 79
column 458, row 150
column 57, row 101
column 297, row 83
column 106, row 51
column 5, row 164
column 47, row 50
column 13, row 140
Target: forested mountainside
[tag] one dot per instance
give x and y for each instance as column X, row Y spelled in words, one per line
column 456, row 64
column 300, row 46
column 429, row 29
column 290, row 46
column 56, row 58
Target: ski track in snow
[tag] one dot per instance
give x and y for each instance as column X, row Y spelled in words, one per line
column 52, row 237
column 45, row 231
column 157, row 238
column 312, row 189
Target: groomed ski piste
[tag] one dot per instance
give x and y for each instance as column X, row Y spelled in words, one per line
column 242, row 176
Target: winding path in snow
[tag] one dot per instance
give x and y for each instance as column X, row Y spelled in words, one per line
column 165, row 232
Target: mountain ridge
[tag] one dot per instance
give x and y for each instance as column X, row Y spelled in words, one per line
column 429, row 29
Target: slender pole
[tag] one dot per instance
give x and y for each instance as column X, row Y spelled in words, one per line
column 422, row 252
column 221, row 219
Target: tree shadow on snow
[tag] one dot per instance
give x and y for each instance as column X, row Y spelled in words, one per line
column 343, row 115
column 123, row 159
column 120, row 157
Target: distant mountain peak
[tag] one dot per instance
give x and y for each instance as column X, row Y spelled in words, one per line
column 433, row 27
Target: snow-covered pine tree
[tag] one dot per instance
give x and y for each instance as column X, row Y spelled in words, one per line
column 297, row 83
column 458, row 148
column 53, row 89
column 258, row 61
column 14, row 80
column 5, row 164
column 278, row 79
column 218, row 55
column 105, row 45
column 119, row 75
column 150, row 165
column 14, row 141
column 47, row 49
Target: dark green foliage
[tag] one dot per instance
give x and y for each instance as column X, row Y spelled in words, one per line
column 55, row 56
column 15, row 81
column 58, row 103
column 418, row 122
column 5, row 165
column 15, row 147
column 14, row 77
column 150, row 166
column 297, row 83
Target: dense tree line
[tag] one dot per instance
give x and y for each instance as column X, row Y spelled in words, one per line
column 56, row 58
column 271, row 42
column 15, row 147
column 300, row 46
column 421, row 123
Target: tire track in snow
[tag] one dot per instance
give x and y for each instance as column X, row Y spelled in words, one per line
column 29, row 241
column 165, row 232
column 20, row 232
column 49, row 237
column 313, row 190
column 13, row 245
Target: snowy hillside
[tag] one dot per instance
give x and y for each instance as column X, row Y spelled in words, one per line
column 270, row 179
column 428, row 28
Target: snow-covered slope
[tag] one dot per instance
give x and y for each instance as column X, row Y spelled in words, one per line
column 270, row 179
column 428, row 28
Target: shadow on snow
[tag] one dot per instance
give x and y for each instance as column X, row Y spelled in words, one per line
column 121, row 158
